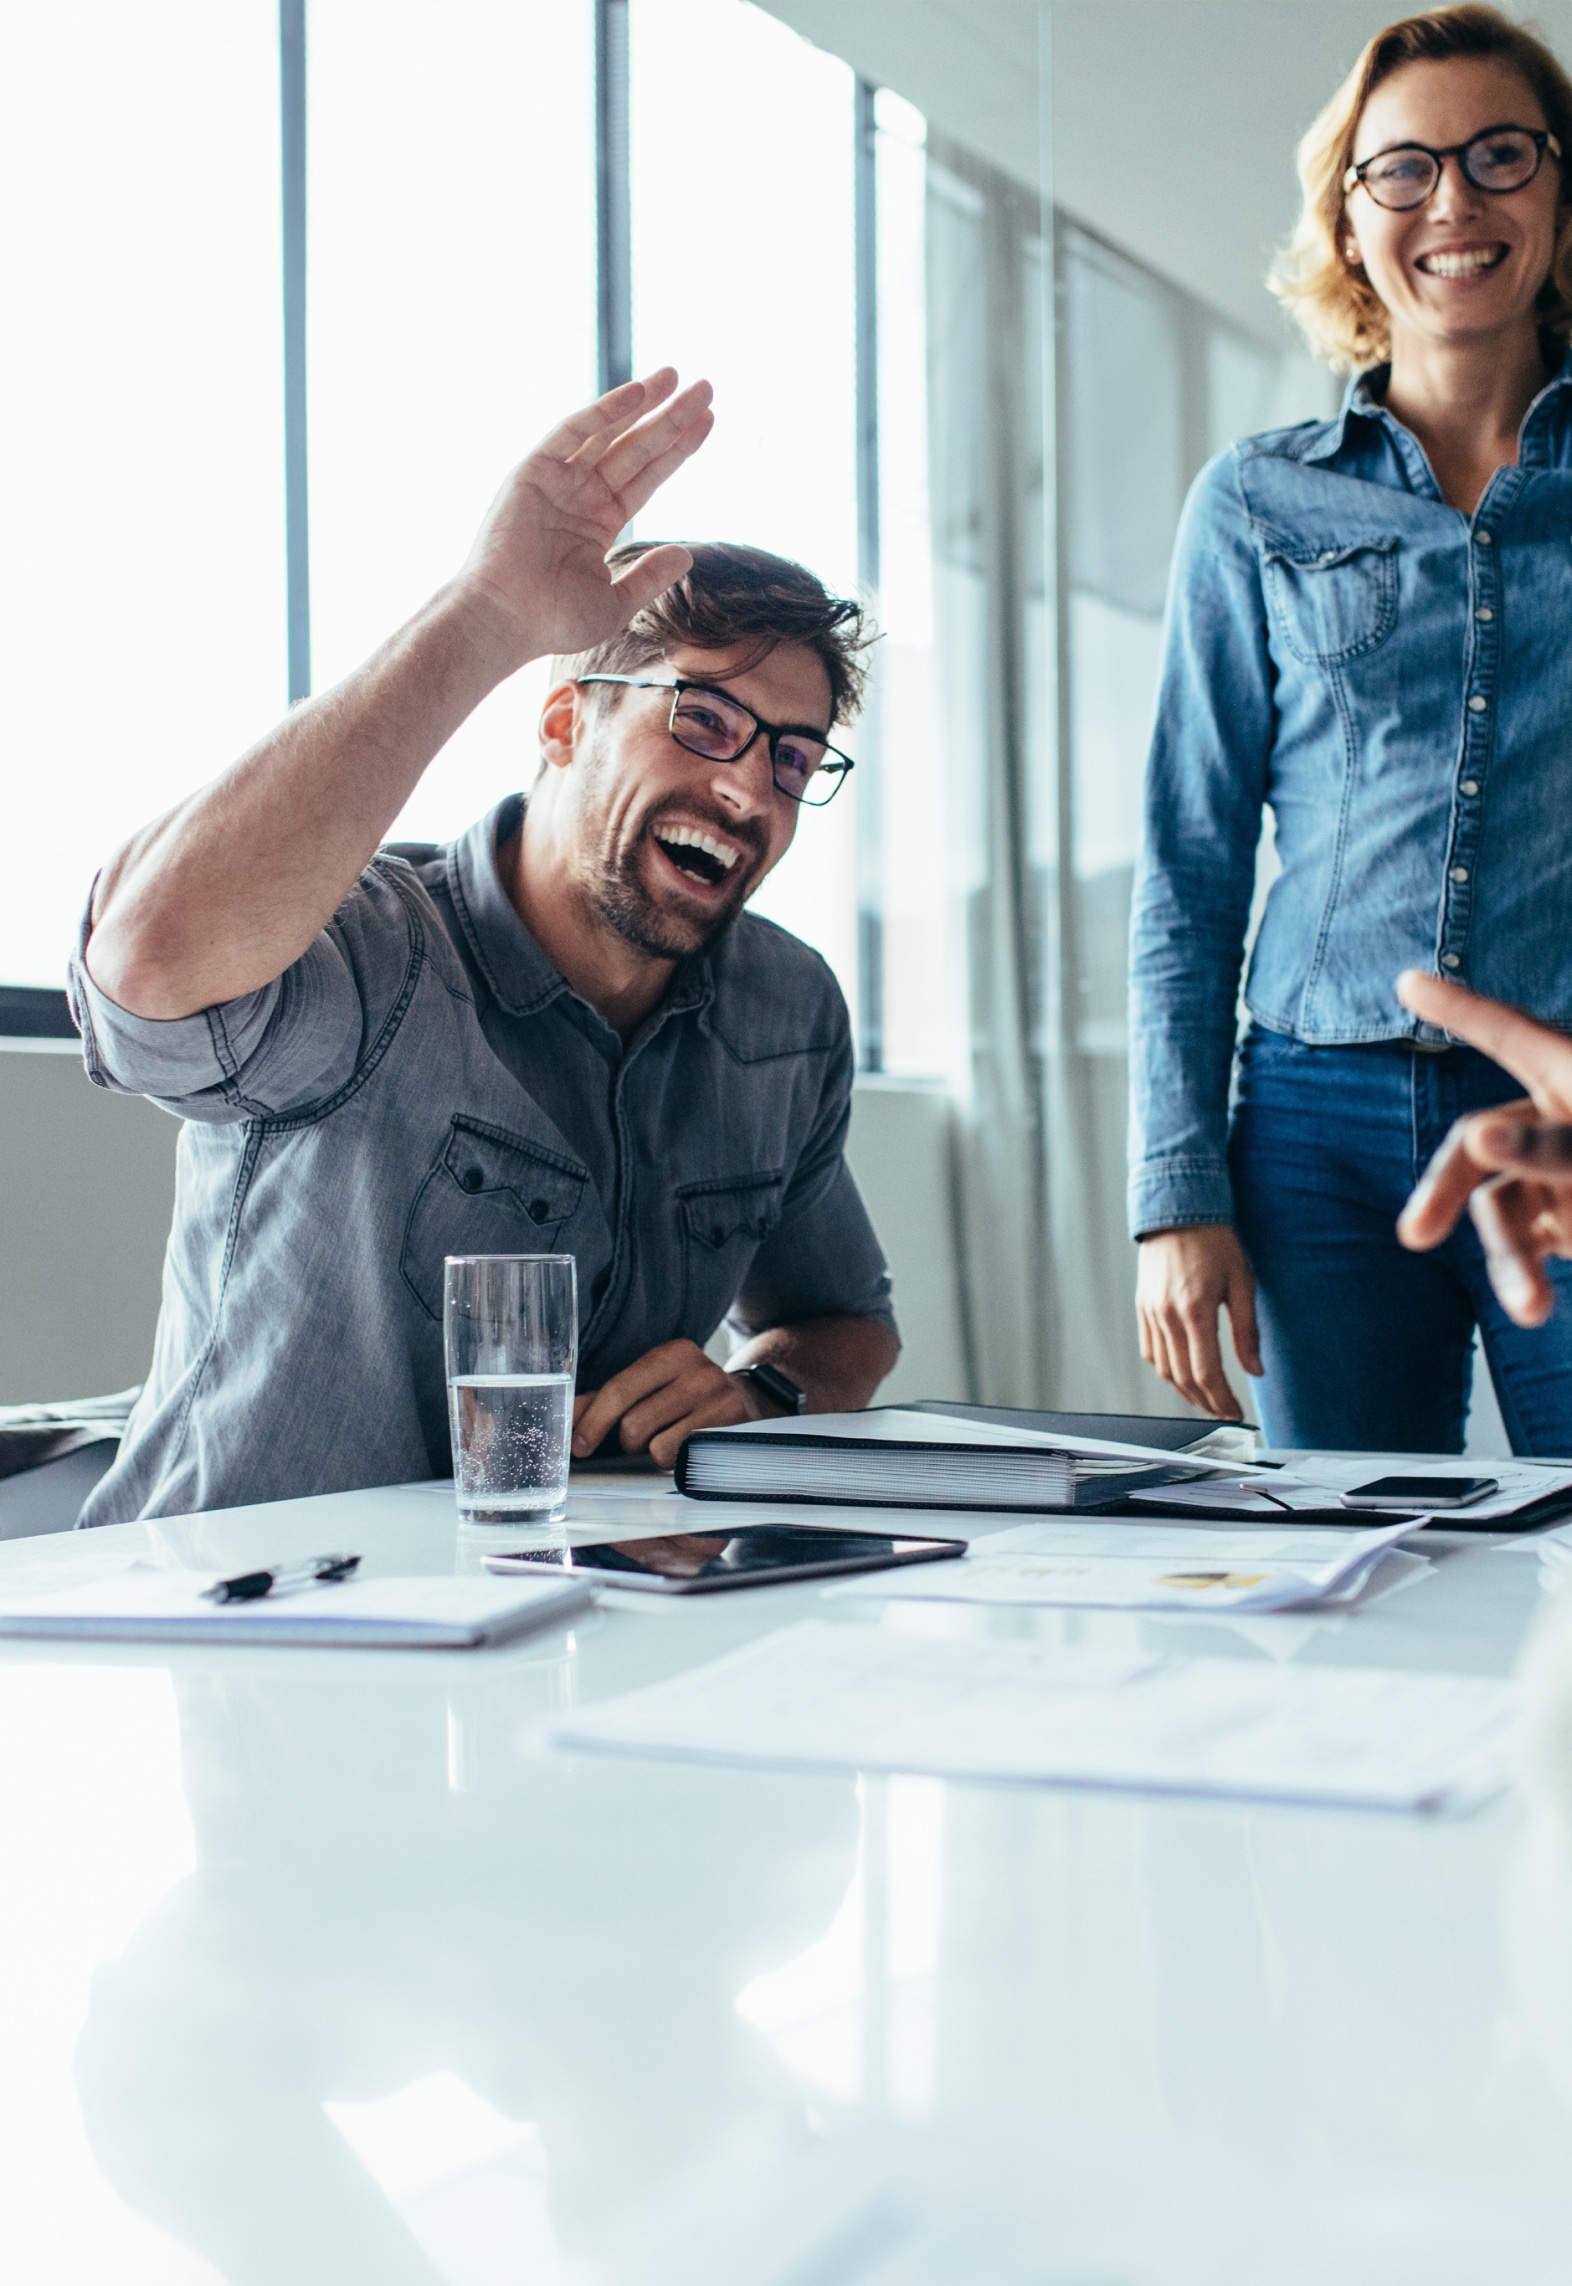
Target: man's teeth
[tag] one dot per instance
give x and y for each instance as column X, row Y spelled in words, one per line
column 688, row 837
column 1461, row 265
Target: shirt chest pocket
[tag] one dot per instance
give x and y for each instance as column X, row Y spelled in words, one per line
column 490, row 1192
column 1332, row 602
column 723, row 1224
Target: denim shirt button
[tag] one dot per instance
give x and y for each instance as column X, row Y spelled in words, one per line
column 1484, row 612
column 1470, row 786
column 471, row 1179
column 539, row 1209
column 1477, row 705
column 1459, row 873
column 1451, row 960
column 1485, row 539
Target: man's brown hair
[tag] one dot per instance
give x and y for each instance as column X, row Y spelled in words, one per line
column 736, row 598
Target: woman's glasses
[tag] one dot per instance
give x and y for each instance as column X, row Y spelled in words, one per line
column 805, row 767
column 1501, row 159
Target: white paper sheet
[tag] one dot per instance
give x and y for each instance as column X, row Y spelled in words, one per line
column 1146, row 1567
column 141, row 1604
column 1520, row 1481
column 838, row 1697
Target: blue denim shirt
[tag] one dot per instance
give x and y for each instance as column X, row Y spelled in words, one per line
column 1395, row 679
column 423, row 1082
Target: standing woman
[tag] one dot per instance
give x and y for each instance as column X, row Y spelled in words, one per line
column 1370, row 629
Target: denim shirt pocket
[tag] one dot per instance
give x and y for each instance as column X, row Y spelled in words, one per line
column 724, row 1221
column 490, row 1192
column 1334, row 601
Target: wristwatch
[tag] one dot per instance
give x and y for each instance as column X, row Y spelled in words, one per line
column 777, row 1386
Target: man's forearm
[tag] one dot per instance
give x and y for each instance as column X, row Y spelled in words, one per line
column 225, row 891
column 837, row 1362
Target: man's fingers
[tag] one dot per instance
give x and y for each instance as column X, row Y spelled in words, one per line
column 608, row 1405
column 632, row 496
column 718, row 1413
column 628, row 456
column 650, row 575
column 609, row 415
column 1540, row 1058
column 1504, row 1215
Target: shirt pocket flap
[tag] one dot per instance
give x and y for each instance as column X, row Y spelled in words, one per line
column 716, row 1214
column 489, row 1191
column 1335, row 598
column 484, row 1160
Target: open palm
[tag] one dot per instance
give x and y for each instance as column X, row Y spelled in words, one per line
column 540, row 556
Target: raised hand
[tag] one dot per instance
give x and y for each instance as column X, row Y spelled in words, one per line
column 1512, row 1166
column 539, row 561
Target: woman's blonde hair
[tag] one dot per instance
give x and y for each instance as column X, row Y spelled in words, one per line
column 1343, row 318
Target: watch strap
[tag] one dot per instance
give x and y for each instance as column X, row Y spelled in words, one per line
column 776, row 1385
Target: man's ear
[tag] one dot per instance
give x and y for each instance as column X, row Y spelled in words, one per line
column 562, row 724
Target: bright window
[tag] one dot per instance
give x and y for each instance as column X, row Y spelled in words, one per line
column 451, row 320
column 143, row 581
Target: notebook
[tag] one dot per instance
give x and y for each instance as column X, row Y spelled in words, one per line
column 145, row 1605
column 895, row 1457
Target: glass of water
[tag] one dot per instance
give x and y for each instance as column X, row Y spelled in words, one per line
column 511, row 1327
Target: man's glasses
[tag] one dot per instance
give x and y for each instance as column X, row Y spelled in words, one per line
column 805, row 767
column 1501, row 159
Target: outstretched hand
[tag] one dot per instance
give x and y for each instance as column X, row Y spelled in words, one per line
column 539, row 561
column 1511, row 1166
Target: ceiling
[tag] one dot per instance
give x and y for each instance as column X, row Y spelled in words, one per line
column 1174, row 121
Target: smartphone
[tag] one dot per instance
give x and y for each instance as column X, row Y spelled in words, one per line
column 693, row 1563
column 1421, row 1492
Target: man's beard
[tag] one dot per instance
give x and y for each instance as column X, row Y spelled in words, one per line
column 622, row 900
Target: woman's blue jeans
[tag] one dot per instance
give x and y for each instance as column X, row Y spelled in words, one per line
column 1365, row 1345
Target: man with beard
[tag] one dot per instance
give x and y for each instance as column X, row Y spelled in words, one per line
column 560, row 1034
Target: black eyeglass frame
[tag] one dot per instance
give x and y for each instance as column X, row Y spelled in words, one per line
column 836, row 771
column 1540, row 137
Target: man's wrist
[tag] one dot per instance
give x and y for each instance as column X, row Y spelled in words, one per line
column 491, row 629
column 774, row 1390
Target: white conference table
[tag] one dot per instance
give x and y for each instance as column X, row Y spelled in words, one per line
column 321, row 1965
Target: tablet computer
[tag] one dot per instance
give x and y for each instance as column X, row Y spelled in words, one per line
column 750, row 1555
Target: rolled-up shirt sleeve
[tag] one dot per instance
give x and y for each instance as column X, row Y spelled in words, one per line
column 1206, row 781
column 822, row 1259
column 278, row 1050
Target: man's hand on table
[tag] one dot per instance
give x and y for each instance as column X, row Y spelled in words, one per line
column 663, row 1397
column 669, row 1392
column 1511, row 1166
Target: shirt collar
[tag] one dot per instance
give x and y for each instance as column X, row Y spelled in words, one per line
column 1366, row 393
column 521, row 977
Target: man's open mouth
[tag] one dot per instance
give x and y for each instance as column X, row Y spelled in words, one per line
column 1463, row 261
column 702, row 856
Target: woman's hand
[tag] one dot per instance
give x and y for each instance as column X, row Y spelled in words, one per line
column 1185, row 1278
column 1511, row 1166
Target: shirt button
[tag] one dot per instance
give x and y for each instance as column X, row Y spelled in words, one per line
column 1469, row 786
column 1485, row 539
column 1451, row 960
column 471, row 1179
column 1477, row 705
column 539, row 1209
column 1330, row 556
column 1484, row 612
column 1460, row 873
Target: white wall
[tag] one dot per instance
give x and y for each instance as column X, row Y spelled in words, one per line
column 87, row 1186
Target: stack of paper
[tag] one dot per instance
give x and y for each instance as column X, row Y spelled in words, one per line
column 1151, row 1567
column 827, row 1697
column 442, row 1613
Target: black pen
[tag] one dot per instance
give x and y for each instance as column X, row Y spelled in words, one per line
column 314, row 1571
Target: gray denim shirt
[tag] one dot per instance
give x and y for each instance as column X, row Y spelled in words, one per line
column 424, row 1082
